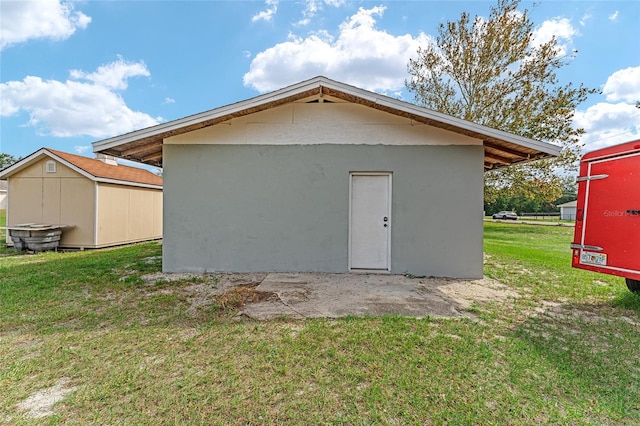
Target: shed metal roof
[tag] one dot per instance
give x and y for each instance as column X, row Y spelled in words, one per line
column 501, row 148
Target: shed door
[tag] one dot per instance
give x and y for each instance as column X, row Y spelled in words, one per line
column 370, row 221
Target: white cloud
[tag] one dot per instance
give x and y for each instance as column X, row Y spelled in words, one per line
column 268, row 13
column 30, row 19
column 614, row 16
column 312, row 7
column 561, row 28
column 75, row 107
column 623, row 85
column 113, row 75
column 169, row 101
column 586, row 17
column 608, row 124
column 361, row 55
column 617, row 120
column 81, row 149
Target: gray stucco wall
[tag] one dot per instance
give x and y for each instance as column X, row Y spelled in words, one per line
column 248, row 208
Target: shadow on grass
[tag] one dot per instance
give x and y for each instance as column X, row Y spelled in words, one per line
column 590, row 353
column 7, row 251
column 627, row 300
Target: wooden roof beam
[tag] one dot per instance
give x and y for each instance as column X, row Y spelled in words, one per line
column 505, row 149
column 498, row 158
column 140, row 149
column 151, row 157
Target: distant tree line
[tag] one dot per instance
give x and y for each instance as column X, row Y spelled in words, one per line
column 510, row 201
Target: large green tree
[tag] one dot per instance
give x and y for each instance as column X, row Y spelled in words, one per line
column 490, row 71
column 6, row 160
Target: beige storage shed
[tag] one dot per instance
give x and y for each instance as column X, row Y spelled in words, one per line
column 104, row 203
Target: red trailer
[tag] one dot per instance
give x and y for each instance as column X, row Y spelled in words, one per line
column 607, row 233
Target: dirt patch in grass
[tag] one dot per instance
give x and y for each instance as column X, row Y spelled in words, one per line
column 586, row 313
column 159, row 277
column 227, row 292
column 41, row 403
column 240, row 296
column 466, row 293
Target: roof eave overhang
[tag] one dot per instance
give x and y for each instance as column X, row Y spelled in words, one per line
column 501, row 148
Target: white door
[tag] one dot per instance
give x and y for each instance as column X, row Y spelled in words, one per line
column 370, row 221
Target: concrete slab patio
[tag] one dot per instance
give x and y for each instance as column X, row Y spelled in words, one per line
column 313, row 295
column 266, row 296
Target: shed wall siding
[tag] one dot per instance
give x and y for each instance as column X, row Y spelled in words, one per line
column 127, row 214
column 64, row 197
column 286, row 208
column 568, row 213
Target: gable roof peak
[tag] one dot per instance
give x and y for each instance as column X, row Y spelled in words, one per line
column 92, row 168
column 501, row 148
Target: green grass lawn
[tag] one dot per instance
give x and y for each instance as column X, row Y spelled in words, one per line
column 565, row 352
column 3, row 221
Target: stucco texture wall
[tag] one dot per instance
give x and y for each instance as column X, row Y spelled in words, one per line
column 286, row 208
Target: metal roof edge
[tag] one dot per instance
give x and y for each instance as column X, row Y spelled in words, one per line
column 445, row 118
column 317, row 82
column 408, row 107
column 471, row 126
column 209, row 114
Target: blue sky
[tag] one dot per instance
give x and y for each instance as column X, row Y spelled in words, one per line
column 72, row 73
